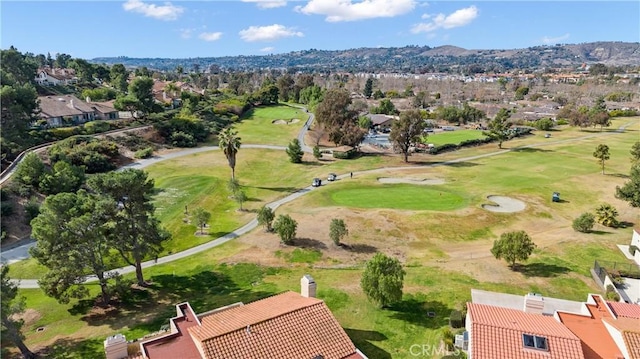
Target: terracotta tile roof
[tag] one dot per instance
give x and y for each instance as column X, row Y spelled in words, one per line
column 282, row 326
column 624, row 324
column 595, row 339
column 497, row 333
column 178, row 344
column 625, row 309
column 632, row 341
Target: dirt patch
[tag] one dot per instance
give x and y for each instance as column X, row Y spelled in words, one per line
column 285, row 122
column 418, row 181
column 504, row 204
column 29, row 316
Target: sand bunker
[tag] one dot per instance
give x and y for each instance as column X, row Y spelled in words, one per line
column 419, row 181
column 504, row 204
column 285, row 122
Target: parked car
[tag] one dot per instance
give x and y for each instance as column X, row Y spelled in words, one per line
column 332, row 177
column 317, row 182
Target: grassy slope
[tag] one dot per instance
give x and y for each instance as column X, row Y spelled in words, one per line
column 257, row 127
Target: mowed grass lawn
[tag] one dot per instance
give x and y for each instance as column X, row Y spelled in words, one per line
column 397, row 196
column 257, row 125
column 440, row 138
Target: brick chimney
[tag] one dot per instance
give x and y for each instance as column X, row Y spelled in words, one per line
column 115, row 347
column 533, row 303
column 307, row 286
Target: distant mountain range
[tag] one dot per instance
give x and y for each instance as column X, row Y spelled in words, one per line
column 409, row 59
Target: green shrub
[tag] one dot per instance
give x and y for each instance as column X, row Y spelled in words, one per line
column 181, row 139
column 543, row 124
column 584, row 223
column 447, row 147
column 144, row 153
column 62, row 133
column 96, row 127
column 561, row 122
column 31, row 209
column 455, row 319
column 344, row 155
column 4, row 194
column 448, row 338
column 611, row 294
column 6, row 209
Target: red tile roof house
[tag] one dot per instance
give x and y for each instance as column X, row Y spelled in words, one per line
column 602, row 329
column 496, row 332
column 287, row 325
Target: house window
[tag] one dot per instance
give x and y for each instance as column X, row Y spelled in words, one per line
column 534, row 342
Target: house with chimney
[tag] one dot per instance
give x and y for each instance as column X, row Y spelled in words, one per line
column 500, row 325
column 47, row 76
column 286, row 325
column 66, row 110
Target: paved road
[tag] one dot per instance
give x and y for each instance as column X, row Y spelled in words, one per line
column 32, row 283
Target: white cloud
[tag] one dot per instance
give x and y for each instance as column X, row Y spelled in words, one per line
column 554, row 40
column 210, row 36
column 268, row 33
column 347, row 10
column 166, row 12
column 267, row 49
column 186, row 33
column 458, row 18
column 268, row 4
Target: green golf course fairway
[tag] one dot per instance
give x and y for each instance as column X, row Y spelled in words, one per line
column 399, row 196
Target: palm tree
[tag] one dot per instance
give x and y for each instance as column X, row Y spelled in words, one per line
column 607, row 215
column 230, row 144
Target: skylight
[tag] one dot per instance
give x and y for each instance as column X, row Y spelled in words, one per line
column 534, row 342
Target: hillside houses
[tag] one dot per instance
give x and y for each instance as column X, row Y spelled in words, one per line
column 48, row 76
column 61, row 110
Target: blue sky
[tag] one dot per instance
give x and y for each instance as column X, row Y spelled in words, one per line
column 183, row 29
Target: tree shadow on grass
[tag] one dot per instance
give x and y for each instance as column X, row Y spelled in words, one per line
column 66, row 348
column 599, row 233
column 461, row 164
column 205, row 290
column 530, row 150
column 362, row 340
column 309, row 243
column 625, row 224
column 279, row 189
column 619, row 175
column 311, row 163
column 540, row 269
column 417, row 310
column 359, row 248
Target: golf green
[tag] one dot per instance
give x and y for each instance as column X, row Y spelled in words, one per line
column 399, row 196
